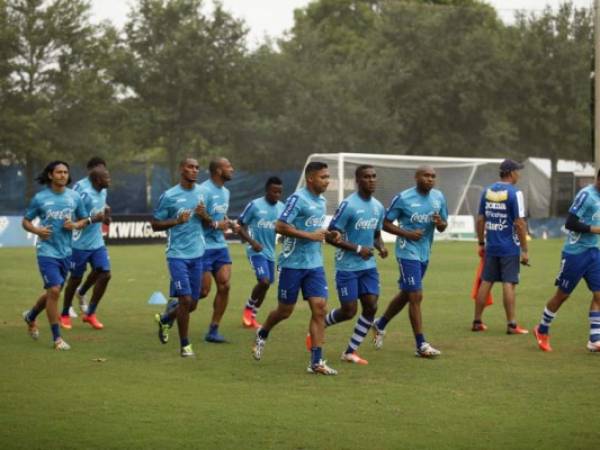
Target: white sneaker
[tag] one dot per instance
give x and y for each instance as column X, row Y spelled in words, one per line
column 59, row 344
column 321, row 368
column 427, row 351
column 32, row 328
column 83, row 302
column 187, row 351
column 72, row 312
column 378, row 336
column 593, row 346
column 259, row 345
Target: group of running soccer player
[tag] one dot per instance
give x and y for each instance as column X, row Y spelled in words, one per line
column 195, row 219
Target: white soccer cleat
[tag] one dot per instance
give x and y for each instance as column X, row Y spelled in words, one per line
column 593, row 346
column 427, row 351
column 321, row 368
column 59, row 344
column 259, row 345
column 83, row 303
column 187, row 351
column 32, row 328
column 378, row 336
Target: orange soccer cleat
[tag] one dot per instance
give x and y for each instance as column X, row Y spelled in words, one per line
column 247, row 318
column 543, row 340
column 93, row 321
column 516, row 330
column 65, row 322
column 479, row 326
column 354, row 358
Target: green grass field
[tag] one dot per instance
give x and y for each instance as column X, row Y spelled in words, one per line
column 487, row 390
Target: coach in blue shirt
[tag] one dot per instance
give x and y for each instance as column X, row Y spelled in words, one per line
column 502, row 234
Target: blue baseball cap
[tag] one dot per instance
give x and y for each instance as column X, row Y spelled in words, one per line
column 508, row 165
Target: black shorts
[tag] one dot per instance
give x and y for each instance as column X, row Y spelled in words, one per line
column 501, row 268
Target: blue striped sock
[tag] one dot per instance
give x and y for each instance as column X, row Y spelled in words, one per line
column 547, row 318
column 594, row 326
column 315, row 355
column 360, row 331
column 55, row 331
column 331, row 319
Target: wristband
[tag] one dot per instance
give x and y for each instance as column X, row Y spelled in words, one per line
column 89, row 220
column 481, row 243
column 358, row 248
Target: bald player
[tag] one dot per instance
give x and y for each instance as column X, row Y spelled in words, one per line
column 413, row 216
column 216, row 260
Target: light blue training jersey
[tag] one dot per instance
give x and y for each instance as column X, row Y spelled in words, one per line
column 186, row 240
column 305, row 211
column 358, row 220
column 260, row 216
column 412, row 211
column 53, row 208
column 217, row 205
column 90, row 238
column 586, row 206
column 84, row 184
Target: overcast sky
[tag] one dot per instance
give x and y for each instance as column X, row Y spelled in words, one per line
column 273, row 17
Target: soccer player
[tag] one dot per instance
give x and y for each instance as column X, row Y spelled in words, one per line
column 301, row 263
column 216, row 260
column 56, row 207
column 580, row 259
column 88, row 247
column 418, row 211
column 257, row 228
column 81, row 186
column 502, row 234
column 359, row 219
column 181, row 212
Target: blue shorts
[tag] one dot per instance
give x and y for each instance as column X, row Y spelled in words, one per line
column 501, row 268
column 97, row 258
column 54, row 271
column 215, row 258
column 412, row 273
column 263, row 268
column 186, row 277
column 573, row 268
column 354, row 284
column 312, row 282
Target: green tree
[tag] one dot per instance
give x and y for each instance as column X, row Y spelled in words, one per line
column 443, row 70
column 55, row 92
column 550, row 89
column 185, row 73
